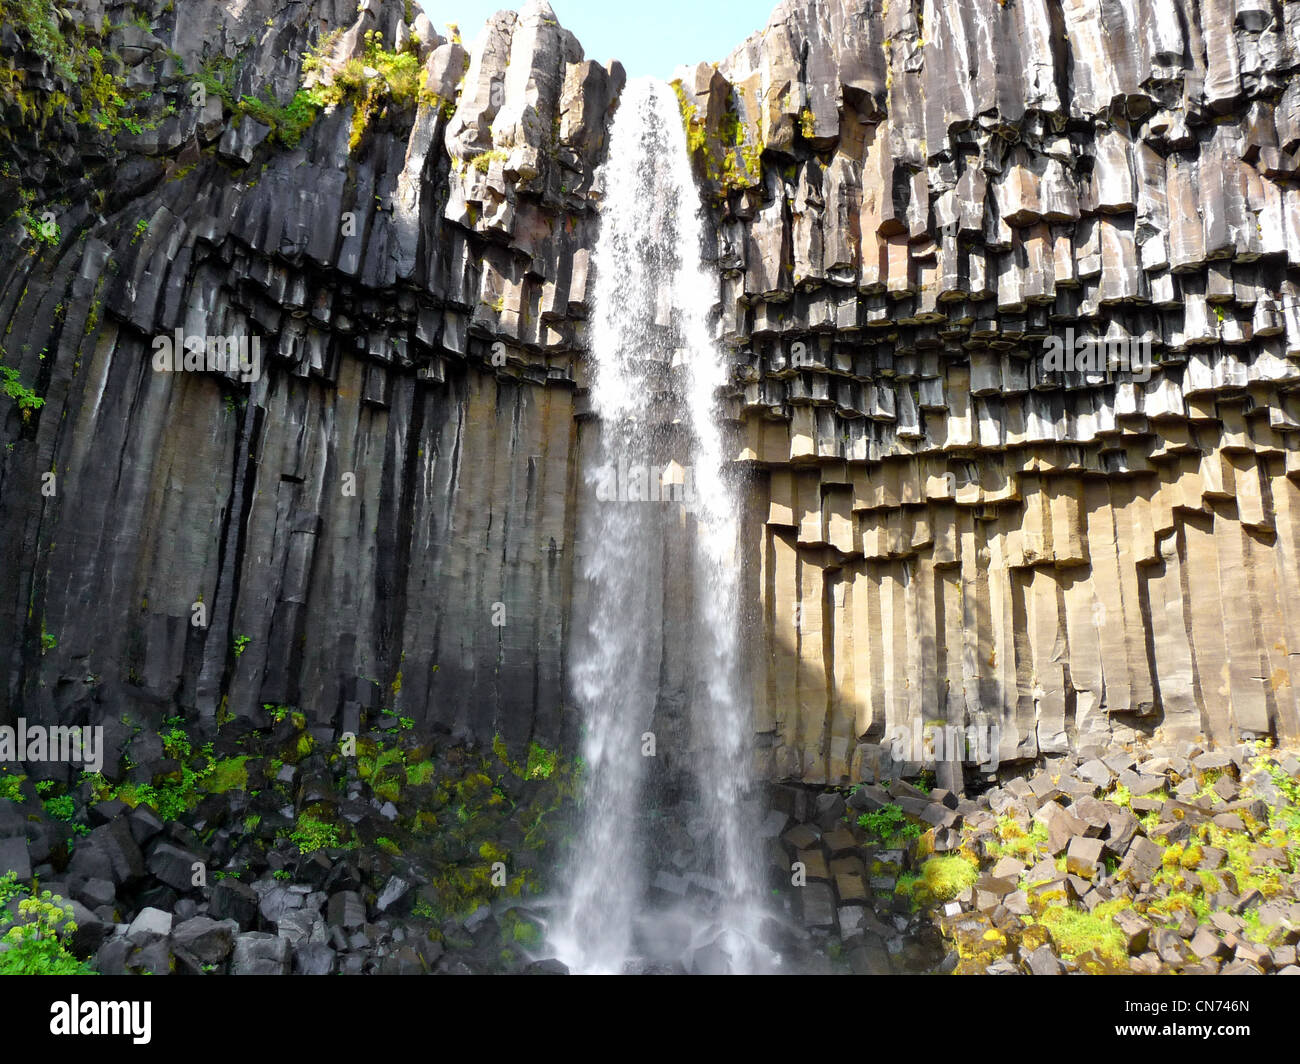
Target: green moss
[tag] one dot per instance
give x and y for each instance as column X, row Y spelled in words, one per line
column 1014, row 841
column 723, row 157
column 228, row 774
column 420, row 773
column 483, row 162
column 541, row 762
column 694, row 128
column 397, row 81
column 515, row 929
column 1075, row 931
column 947, row 877
column 37, row 21
column 1185, row 898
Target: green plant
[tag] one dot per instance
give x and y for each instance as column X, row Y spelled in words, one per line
column 420, row 773
column 10, row 888
column 282, row 874
column 311, row 834
column 179, row 791
column 12, row 386
column 61, row 807
column 889, row 824
column 176, row 744
column 34, row 940
column 42, row 229
column 289, row 121
column 11, row 786
column 39, row 23
column 241, row 644
column 367, row 82
column 541, row 762
column 1014, row 841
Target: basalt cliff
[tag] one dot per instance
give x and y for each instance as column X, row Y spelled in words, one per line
column 909, row 204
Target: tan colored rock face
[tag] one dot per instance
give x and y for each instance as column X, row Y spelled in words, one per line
column 1067, row 611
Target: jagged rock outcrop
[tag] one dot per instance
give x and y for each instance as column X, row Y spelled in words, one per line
column 384, row 516
column 910, row 202
column 952, row 530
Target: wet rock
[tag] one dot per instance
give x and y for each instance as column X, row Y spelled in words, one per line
column 830, row 811
column 1043, row 961
column 210, row 941
column 257, row 953
column 233, row 900
column 395, row 890
column 148, row 925
column 15, row 857
column 817, row 905
column 174, row 865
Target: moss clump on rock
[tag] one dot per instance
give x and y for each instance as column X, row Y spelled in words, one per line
column 1076, row 932
column 368, row 83
column 946, row 877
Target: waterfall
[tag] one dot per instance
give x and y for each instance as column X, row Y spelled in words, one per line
column 655, row 372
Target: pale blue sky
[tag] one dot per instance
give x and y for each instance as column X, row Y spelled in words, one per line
column 647, row 37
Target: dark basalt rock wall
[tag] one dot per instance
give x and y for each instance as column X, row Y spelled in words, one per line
column 354, row 521
column 919, row 195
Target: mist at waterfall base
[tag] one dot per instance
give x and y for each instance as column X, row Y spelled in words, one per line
column 633, row 901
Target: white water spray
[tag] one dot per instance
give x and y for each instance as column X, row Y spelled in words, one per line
column 654, row 364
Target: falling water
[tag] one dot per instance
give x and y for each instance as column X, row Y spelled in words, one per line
column 655, row 376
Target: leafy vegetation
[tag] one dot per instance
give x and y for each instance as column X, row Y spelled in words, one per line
column 890, row 825
column 368, row 83
column 40, row 25
column 289, row 121
column 11, row 786
column 311, row 834
column 106, row 104
column 181, row 790
column 12, row 386
column 35, row 941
